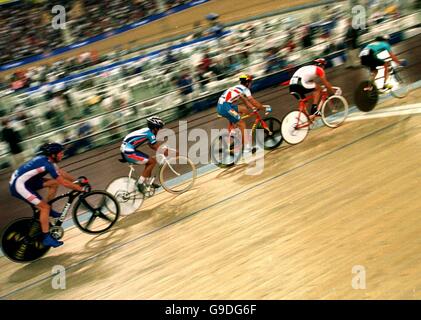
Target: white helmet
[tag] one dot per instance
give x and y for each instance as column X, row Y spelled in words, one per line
column 155, row 122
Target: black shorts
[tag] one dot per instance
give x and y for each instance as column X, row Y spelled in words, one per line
column 300, row 90
column 371, row 61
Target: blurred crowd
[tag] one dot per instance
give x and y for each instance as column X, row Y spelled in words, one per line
column 190, row 75
column 27, row 24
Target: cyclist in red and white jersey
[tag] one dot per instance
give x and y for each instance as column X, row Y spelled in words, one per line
column 303, row 82
column 229, row 107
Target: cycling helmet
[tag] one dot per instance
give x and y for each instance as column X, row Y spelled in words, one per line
column 51, row 149
column 155, row 122
column 321, row 62
column 245, row 78
column 384, row 38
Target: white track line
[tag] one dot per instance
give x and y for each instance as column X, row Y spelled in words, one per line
column 389, row 112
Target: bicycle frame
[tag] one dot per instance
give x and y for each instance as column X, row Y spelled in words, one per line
column 391, row 70
column 302, row 108
column 71, row 195
column 232, row 126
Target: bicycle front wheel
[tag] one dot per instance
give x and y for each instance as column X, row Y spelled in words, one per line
column 400, row 88
column 96, row 212
column 295, row 127
column 334, row 111
column 126, row 192
column 177, row 175
column 21, row 240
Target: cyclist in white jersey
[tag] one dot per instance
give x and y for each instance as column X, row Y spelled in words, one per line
column 303, row 82
column 138, row 138
column 229, row 108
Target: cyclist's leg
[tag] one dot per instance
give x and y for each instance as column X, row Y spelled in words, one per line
column 52, row 186
column 317, row 93
column 386, row 72
column 149, row 165
column 138, row 157
column 20, row 191
column 242, row 109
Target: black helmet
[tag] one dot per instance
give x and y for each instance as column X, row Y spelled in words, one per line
column 155, row 122
column 384, row 38
column 50, row 149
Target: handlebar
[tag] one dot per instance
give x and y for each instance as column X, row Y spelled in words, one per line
column 83, row 182
column 266, row 106
column 338, row 91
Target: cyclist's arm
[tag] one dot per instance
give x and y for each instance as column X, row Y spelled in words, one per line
column 66, row 175
column 247, row 102
column 256, row 103
column 394, row 57
column 68, row 184
column 327, row 85
column 157, row 145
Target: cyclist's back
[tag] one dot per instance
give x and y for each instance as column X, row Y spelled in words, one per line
column 37, row 167
column 232, row 95
column 28, row 178
column 139, row 137
column 378, row 47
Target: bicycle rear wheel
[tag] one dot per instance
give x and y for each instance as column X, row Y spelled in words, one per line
column 126, row 193
column 273, row 137
column 96, row 212
column 295, row 127
column 226, row 150
column 366, row 96
column 400, row 88
column 177, row 175
column 21, row 240
column 334, row 111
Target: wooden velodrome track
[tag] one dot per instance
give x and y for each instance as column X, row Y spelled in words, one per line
column 343, row 198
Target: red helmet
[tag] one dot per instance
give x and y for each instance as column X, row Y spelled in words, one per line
column 321, row 62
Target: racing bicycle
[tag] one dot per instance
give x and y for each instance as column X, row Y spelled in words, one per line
column 94, row 212
column 226, row 148
column 367, row 94
column 176, row 175
column 296, row 124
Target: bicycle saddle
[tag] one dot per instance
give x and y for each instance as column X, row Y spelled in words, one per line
column 296, row 94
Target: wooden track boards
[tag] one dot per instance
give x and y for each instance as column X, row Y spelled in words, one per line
column 342, row 198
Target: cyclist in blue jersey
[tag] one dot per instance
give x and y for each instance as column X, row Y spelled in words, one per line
column 375, row 55
column 142, row 137
column 229, row 108
column 29, row 178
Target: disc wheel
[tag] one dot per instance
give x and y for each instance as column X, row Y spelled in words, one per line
column 366, row 96
column 21, row 240
column 125, row 191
